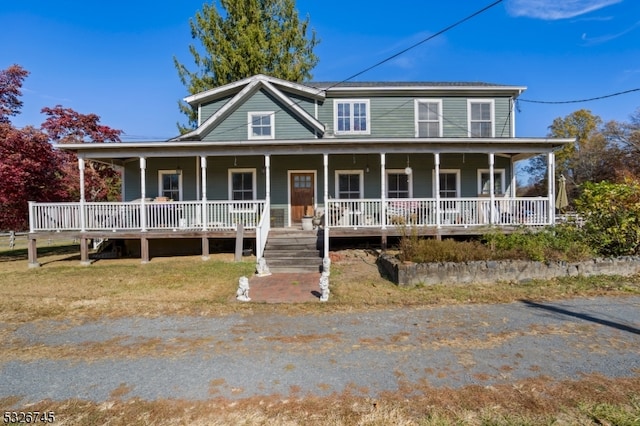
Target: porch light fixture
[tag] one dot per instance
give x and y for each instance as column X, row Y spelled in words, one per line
column 408, row 170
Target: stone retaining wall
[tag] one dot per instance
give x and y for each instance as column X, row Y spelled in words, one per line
column 484, row 272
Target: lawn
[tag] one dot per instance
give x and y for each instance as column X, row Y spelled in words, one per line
column 62, row 289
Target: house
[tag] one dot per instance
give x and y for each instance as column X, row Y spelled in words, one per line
column 365, row 158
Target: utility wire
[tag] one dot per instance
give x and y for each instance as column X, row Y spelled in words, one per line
column 395, row 55
column 580, row 100
column 413, row 46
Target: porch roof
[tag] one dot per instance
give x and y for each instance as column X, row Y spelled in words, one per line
column 117, row 153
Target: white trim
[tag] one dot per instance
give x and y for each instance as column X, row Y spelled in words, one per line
column 447, row 171
column 315, row 190
column 495, row 172
column 417, row 102
column 359, row 172
column 398, row 172
column 492, row 104
column 231, row 171
column 170, row 172
column 352, row 102
column 261, row 114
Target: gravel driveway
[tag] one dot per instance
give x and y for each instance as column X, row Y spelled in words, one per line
column 239, row 356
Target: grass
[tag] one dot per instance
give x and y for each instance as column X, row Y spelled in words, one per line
column 62, row 289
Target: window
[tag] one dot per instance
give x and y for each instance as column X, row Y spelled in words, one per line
column 399, row 184
column 351, row 117
column 242, row 184
column 349, row 184
column 449, row 183
column 170, row 184
column 481, row 119
column 428, row 118
column 261, row 125
column 484, row 181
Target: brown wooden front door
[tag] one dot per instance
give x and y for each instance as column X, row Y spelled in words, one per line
column 302, row 185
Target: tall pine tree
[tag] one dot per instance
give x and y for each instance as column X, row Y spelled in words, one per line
column 241, row 38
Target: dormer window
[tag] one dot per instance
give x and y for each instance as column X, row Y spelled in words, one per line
column 351, row 117
column 261, row 125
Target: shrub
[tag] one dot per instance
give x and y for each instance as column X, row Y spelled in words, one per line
column 612, row 216
column 562, row 242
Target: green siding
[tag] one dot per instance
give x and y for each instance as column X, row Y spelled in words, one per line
column 287, row 125
column 394, row 117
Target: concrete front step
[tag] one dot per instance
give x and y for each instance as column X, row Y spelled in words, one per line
column 293, row 250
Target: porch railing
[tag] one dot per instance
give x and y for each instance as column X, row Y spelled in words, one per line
column 262, row 231
column 126, row 216
column 428, row 212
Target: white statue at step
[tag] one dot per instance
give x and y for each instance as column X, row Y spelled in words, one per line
column 261, row 268
column 324, row 287
column 326, row 265
column 242, row 294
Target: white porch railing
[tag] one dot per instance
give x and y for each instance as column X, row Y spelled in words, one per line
column 262, row 231
column 426, row 212
column 126, row 216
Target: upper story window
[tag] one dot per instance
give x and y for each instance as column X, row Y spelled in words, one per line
column 170, row 184
column 351, row 116
column 261, row 125
column 481, row 121
column 428, row 118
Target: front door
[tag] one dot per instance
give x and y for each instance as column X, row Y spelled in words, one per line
column 301, row 185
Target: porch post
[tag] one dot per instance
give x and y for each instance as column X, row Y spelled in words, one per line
column 143, row 194
column 383, row 189
column 492, row 195
column 203, row 177
column 325, row 163
column 551, row 168
column 83, row 226
column 436, row 157
column 267, row 176
column 513, row 191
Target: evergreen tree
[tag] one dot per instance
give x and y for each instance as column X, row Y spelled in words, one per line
column 241, row 38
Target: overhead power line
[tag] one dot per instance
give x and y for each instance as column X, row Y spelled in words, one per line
column 413, row 46
column 577, row 101
column 395, row 55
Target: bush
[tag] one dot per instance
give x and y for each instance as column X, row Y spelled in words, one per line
column 562, row 242
column 612, row 216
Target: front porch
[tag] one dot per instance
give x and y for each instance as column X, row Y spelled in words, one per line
column 146, row 220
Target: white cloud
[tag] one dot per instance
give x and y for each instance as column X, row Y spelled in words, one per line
column 555, row 9
column 608, row 37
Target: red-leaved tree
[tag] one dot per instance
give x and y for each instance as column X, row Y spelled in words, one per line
column 65, row 126
column 10, row 91
column 29, row 171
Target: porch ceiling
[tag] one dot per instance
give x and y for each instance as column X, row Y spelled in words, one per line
column 118, row 153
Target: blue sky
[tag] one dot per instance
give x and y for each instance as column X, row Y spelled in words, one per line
column 115, row 59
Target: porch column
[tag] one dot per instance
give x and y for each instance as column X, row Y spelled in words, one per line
column 203, row 184
column 83, row 226
column 551, row 169
column 325, row 163
column 513, row 192
column 383, row 189
column 436, row 159
column 267, row 176
column 143, row 194
column 492, row 195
